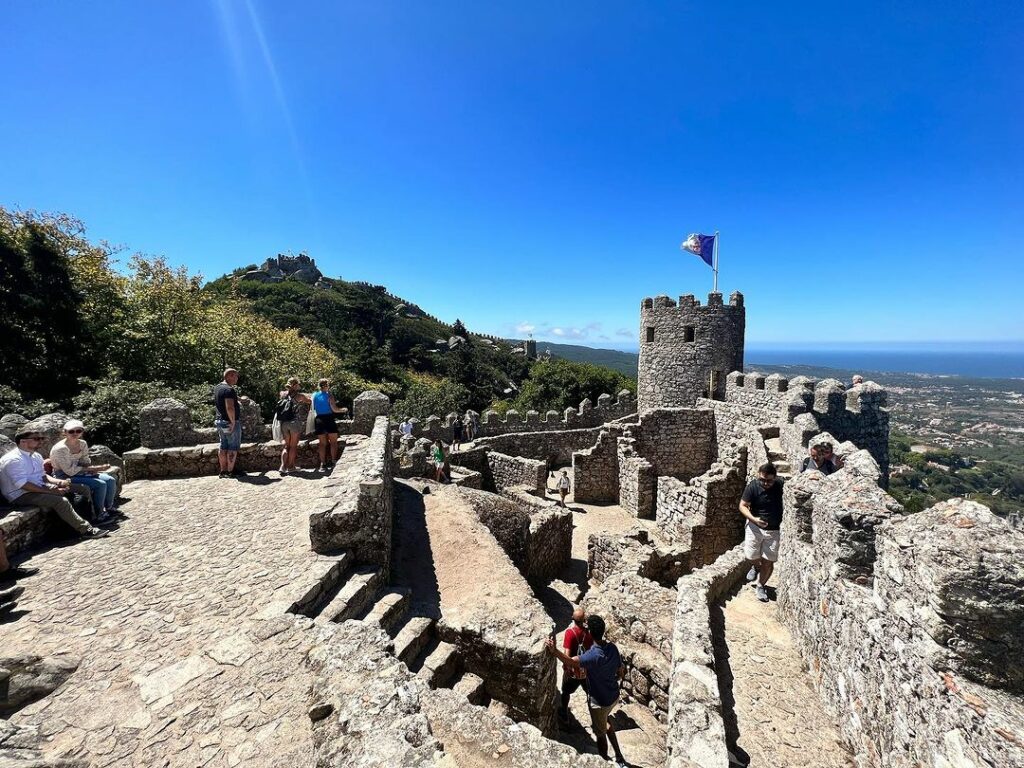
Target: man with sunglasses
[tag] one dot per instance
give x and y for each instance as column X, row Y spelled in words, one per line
column 24, row 483
column 761, row 505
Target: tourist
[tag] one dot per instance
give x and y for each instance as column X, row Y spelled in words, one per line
column 439, row 460
column 326, row 425
column 405, row 428
column 458, row 425
column 290, row 412
column 563, row 487
column 603, row 667
column 24, row 484
column 576, row 640
column 822, row 459
column 857, row 379
column 761, row 505
column 472, row 426
column 228, row 422
column 70, row 459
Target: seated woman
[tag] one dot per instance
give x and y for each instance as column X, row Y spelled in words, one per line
column 70, row 458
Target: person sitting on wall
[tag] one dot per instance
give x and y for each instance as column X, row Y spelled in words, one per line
column 439, row 460
column 326, row 425
column 24, row 484
column 290, row 412
column 604, row 669
column 761, row 505
column 405, row 428
column 70, row 459
column 857, row 379
column 822, row 459
column 576, row 641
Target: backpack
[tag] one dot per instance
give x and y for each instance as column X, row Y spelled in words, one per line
column 285, row 409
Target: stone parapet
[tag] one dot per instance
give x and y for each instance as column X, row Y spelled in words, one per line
column 910, row 623
column 355, row 512
column 201, row 460
column 513, row 471
column 554, row 447
column 696, row 730
column 26, row 528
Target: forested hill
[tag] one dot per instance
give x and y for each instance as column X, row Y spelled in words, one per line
column 93, row 336
column 623, row 362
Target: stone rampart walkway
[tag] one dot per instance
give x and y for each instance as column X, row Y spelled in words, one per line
column 774, row 715
column 171, row 619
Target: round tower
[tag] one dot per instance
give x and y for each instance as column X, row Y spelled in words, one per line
column 687, row 350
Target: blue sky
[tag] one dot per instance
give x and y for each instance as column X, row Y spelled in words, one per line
column 536, row 165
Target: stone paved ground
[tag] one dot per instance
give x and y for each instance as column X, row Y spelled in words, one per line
column 776, row 718
column 172, row 619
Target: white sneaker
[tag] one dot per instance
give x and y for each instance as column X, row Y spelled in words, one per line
column 752, row 573
column 762, row 593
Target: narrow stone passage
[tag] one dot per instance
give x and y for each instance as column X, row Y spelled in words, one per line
column 773, row 716
column 641, row 736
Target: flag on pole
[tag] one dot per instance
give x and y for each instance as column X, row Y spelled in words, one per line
column 703, row 246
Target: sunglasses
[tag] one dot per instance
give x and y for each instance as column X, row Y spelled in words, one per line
column 75, row 431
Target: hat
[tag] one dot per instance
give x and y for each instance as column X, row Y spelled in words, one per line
column 22, row 433
column 73, row 424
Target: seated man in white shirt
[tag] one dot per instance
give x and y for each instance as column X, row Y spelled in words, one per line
column 24, row 483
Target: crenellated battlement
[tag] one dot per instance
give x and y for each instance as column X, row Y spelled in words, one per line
column 688, row 302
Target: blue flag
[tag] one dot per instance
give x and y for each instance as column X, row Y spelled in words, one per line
column 703, row 246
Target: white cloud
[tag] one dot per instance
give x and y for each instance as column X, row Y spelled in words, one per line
column 525, row 327
column 624, row 333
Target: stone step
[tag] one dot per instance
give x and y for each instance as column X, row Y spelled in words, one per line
column 354, row 595
column 774, row 445
column 472, row 687
column 322, row 583
column 413, row 637
column 783, row 466
column 389, row 608
column 440, row 665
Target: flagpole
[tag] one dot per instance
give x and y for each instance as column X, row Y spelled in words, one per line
column 715, row 290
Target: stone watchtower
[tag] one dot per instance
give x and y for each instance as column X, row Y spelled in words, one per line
column 687, row 350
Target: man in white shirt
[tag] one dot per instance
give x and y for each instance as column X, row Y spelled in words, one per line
column 24, row 483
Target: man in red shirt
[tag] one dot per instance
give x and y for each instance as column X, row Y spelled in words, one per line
column 577, row 640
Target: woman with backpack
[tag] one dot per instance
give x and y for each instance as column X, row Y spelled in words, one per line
column 290, row 413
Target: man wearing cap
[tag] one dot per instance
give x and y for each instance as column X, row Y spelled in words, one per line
column 70, row 459
column 604, row 669
column 24, row 483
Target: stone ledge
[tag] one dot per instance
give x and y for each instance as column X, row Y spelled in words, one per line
column 25, row 527
column 201, row 460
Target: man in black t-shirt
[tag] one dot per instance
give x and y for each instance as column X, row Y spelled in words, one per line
column 228, row 422
column 761, row 505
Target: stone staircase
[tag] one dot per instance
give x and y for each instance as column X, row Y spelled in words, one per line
column 778, row 457
column 359, row 592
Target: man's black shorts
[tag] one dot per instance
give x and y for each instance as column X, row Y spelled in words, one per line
column 326, row 424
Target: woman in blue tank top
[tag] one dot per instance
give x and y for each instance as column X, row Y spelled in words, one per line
column 325, row 422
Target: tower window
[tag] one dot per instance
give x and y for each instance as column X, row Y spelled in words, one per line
column 688, row 334
column 650, row 333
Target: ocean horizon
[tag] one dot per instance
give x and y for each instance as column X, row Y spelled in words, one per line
column 1005, row 363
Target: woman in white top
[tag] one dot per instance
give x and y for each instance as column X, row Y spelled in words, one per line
column 70, row 458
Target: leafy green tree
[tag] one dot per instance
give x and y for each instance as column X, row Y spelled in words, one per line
column 559, row 384
column 426, row 396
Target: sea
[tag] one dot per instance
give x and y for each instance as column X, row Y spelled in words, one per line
column 1004, row 361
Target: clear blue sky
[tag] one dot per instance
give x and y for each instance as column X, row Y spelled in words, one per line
column 537, row 164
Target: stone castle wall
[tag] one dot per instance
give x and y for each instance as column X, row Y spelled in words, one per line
column 555, row 448
column 703, row 514
column 587, row 416
column 798, row 409
column 682, row 345
column 678, row 442
column 911, row 625
column 355, row 511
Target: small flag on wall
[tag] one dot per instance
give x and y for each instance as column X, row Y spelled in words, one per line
column 703, row 246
